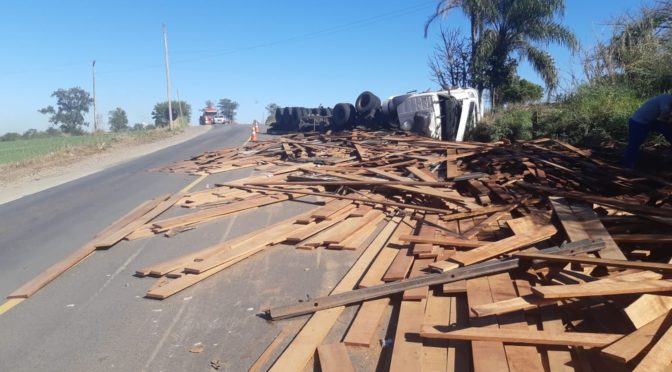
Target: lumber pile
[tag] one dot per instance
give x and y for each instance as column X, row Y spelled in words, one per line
column 487, row 257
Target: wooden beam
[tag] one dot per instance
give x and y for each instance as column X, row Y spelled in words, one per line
column 298, row 353
column 495, row 249
column 442, row 241
column 652, row 266
column 659, row 357
column 520, row 336
column 634, row 344
column 334, row 358
column 473, row 271
column 604, row 287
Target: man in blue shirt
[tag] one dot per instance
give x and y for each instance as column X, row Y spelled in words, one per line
column 655, row 115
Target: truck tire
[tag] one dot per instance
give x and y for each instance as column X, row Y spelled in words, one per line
column 389, row 106
column 343, row 116
column 279, row 119
column 296, row 118
column 367, row 103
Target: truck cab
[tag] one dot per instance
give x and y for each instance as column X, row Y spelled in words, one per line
column 447, row 115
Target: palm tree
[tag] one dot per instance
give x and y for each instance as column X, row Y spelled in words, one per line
column 504, row 29
column 476, row 11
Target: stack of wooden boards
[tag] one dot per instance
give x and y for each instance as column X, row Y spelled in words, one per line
column 417, row 210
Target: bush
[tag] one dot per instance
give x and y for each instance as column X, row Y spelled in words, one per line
column 30, row 133
column 512, row 124
column 595, row 113
column 11, row 136
column 592, row 115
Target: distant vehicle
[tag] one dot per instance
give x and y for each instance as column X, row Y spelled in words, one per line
column 208, row 117
column 219, row 119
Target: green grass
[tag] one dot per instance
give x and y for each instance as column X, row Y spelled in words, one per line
column 26, row 149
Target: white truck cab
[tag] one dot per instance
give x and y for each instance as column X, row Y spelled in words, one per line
column 447, row 115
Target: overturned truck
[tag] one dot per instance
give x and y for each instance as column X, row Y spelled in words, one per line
column 444, row 115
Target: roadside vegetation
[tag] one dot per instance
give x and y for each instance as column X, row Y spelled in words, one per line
column 621, row 72
column 68, row 140
column 35, row 147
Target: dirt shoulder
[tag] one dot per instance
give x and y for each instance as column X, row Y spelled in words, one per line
column 17, row 182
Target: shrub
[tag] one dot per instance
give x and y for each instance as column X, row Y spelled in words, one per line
column 11, row 136
column 513, row 124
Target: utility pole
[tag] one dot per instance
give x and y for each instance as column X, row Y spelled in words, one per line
column 95, row 116
column 165, row 52
column 179, row 102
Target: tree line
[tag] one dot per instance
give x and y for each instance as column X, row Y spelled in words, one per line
column 67, row 116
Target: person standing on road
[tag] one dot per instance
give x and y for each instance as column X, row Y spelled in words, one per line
column 655, row 115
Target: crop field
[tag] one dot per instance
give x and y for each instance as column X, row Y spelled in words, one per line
column 26, row 149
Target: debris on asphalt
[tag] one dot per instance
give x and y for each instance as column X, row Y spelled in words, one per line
column 487, row 256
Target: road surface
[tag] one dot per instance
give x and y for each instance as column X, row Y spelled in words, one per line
column 94, row 317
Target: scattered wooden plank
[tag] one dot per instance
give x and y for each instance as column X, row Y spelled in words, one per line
column 625, row 264
column 519, row 357
column 659, row 357
column 435, row 353
column 639, row 341
column 334, row 358
column 407, row 350
column 463, row 243
column 520, row 336
column 302, row 348
column 605, row 287
column 495, row 249
column 364, row 327
column 486, row 355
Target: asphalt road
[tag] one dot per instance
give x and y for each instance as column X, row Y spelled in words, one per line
column 94, row 317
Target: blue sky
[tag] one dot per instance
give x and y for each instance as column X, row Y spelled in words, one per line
column 294, row 53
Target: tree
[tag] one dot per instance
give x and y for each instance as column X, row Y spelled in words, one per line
column 521, row 91
column 160, row 112
column 72, row 104
column 503, row 29
column 638, row 52
column 450, row 64
column 228, row 108
column 271, row 108
column 209, row 104
column 270, row 113
column 118, row 120
column 140, row 126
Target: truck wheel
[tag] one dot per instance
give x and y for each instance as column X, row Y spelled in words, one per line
column 389, row 106
column 343, row 116
column 296, row 118
column 367, row 103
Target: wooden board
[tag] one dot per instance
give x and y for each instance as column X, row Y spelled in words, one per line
column 298, row 353
column 659, row 357
column 420, row 293
column 520, row 336
column 435, row 353
column 364, row 327
column 107, row 235
column 334, row 358
column 653, row 266
column 495, row 249
column 632, row 345
column 400, row 266
column 519, row 357
column 407, row 350
column 486, row 355
column 605, row 287
column 647, row 308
